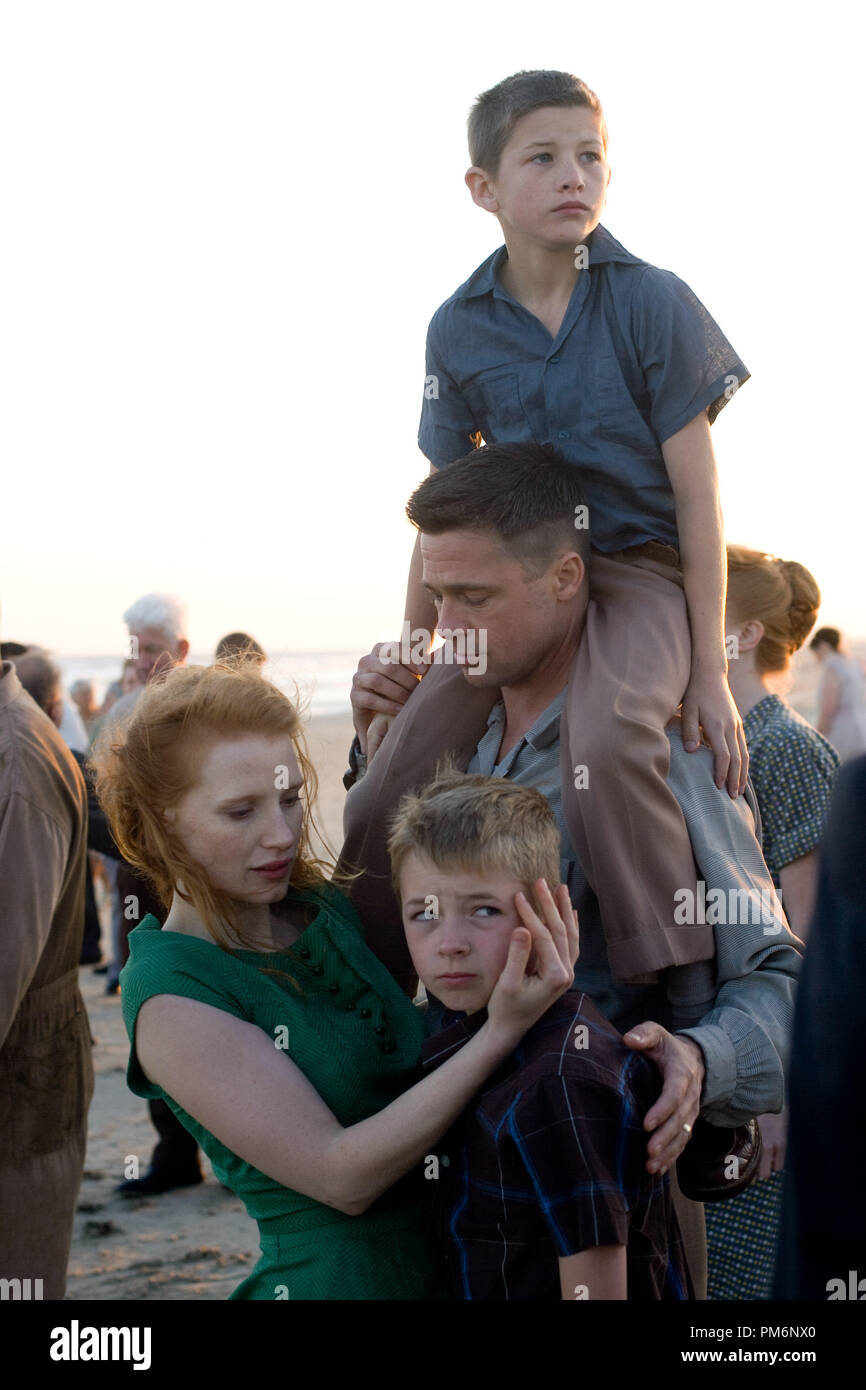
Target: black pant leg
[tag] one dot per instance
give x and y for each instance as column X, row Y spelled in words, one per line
column 176, row 1150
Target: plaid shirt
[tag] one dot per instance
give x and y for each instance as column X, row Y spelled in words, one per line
column 549, row 1160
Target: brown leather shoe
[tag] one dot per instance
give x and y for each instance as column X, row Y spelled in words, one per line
column 719, row 1163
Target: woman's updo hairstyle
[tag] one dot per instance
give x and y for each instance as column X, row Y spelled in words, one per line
column 145, row 764
column 780, row 594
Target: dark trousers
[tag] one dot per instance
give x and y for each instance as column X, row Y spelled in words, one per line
column 176, row 1149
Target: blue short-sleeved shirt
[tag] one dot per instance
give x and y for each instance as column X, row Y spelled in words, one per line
column 636, row 358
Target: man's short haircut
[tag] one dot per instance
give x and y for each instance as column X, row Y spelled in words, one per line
column 465, row 822
column 497, row 111
column 831, row 635
column 526, row 494
column 165, row 613
column 40, row 676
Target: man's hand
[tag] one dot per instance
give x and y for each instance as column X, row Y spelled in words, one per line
column 774, row 1134
column 681, row 1064
column 708, row 703
column 380, row 687
column 378, row 728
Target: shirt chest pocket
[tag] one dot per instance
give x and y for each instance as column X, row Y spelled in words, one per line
column 622, row 399
column 496, row 404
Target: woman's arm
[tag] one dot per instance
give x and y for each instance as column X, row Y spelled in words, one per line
column 234, row 1081
column 799, row 881
column 594, row 1274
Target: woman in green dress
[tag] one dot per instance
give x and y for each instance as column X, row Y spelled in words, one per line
column 257, row 1012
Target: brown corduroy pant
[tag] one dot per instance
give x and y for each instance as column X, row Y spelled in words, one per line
column 629, row 676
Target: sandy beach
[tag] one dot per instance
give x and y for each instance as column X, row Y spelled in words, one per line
column 191, row 1243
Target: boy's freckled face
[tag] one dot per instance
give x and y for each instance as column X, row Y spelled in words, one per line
column 458, row 928
column 554, row 161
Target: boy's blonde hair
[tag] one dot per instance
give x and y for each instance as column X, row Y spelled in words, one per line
column 467, row 822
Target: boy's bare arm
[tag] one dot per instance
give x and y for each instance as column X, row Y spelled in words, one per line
column 420, row 608
column 594, row 1274
column 420, row 613
column 708, row 701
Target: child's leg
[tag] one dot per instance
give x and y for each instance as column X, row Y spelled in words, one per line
column 630, row 675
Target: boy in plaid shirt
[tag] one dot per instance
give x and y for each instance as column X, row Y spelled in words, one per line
column 541, row 1188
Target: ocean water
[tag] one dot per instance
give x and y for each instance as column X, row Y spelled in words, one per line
column 322, row 680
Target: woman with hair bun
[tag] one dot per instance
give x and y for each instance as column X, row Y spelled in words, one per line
column 772, row 605
column 841, row 697
column 258, row 1014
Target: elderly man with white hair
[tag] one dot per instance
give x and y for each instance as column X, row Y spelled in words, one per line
column 157, row 626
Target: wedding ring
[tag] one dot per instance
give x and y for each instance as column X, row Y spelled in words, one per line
column 687, row 1129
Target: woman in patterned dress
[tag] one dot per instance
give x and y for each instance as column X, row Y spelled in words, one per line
column 771, row 608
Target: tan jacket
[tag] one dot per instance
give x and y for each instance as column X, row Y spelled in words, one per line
column 46, row 1070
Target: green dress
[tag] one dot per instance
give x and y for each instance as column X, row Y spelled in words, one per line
column 353, row 1032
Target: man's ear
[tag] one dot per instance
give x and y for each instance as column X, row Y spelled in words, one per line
column 182, row 650
column 571, row 575
column 480, row 185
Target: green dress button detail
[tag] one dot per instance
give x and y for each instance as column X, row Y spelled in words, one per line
column 309, row 1250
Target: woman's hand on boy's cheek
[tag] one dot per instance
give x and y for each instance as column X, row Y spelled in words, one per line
column 681, row 1064
column 559, row 916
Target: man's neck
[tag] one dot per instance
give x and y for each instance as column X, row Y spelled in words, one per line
column 527, row 701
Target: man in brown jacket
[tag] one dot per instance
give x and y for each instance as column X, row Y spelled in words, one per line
column 46, row 1070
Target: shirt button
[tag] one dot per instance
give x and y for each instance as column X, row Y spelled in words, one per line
column 349, row 1008
column 379, row 1029
column 365, row 1013
column 304, row 952
column 387, row 1047
column 334, row 989
column 318, row 970
column 564, row 434
column 555, row 359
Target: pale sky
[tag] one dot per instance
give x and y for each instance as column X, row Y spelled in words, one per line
column 227, row 226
